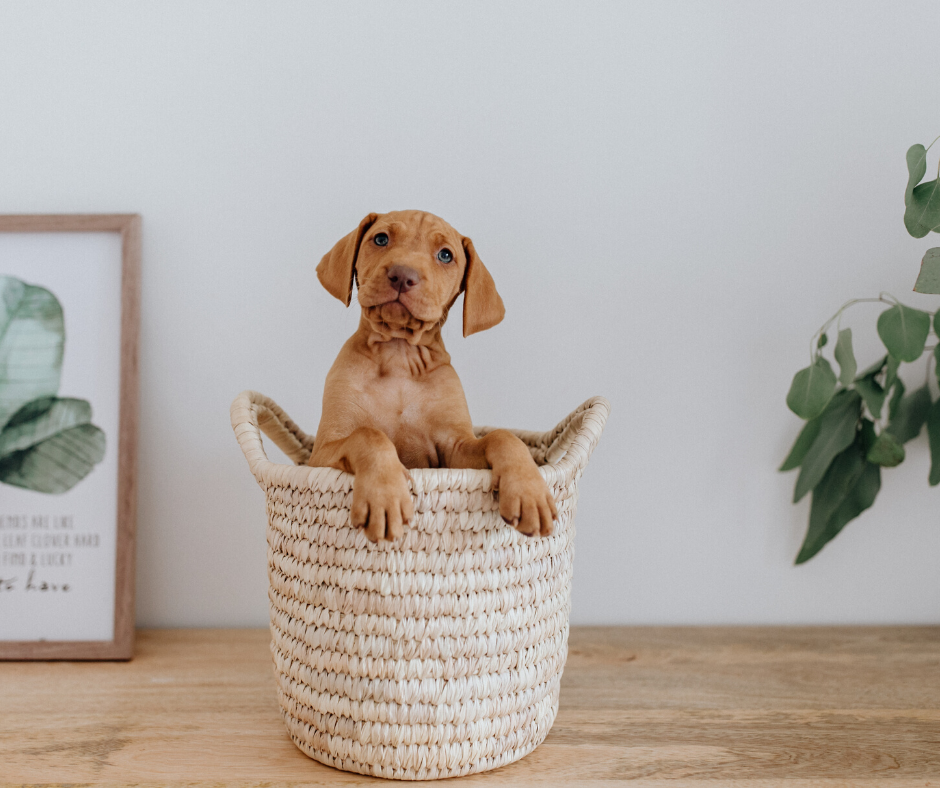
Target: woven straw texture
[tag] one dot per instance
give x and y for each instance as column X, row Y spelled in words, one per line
column 437, row 655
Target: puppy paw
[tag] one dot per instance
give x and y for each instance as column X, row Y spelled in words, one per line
column 382, row 503
column 526, row 503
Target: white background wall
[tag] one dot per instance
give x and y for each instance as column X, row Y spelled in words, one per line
column 671, row 197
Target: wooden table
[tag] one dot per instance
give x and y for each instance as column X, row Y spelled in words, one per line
column 655, row 706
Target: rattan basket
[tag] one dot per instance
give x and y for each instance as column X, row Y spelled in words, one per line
column 437, row 655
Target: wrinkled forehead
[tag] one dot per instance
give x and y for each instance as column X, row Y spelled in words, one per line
column 417, row 226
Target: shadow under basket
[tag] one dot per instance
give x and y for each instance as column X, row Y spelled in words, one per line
column 437, row 655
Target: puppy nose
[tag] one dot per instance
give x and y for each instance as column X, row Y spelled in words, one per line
column 403, row 278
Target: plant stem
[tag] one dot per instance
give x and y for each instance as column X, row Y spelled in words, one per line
column 883, row 298
column 838, row 315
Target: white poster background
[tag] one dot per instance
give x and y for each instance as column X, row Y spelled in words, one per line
column 83, row 270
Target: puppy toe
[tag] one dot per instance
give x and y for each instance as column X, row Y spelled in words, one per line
column 510, row 508
column 375, row 530
column 359, row 514
column 547, row 525
column 529, row 522
column 407, row 510
column 394, row 527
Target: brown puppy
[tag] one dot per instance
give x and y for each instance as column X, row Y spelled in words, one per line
column 392, row 400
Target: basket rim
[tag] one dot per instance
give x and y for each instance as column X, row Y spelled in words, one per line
column 568, row 448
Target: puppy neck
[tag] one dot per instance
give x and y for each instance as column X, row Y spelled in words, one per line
column 416, row 353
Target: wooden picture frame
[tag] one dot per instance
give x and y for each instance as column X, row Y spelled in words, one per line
column 121, row 646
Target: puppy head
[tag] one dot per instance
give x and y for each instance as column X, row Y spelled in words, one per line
column 410, row 267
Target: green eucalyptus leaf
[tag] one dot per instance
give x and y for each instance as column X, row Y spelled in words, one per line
column 32, row 335
column 891, row 372
column 936, row 323
column 923, row 213
column 849, row 486
column 916, row 170
column 803, row 441
column 57, row 463
column 904, row 331
column 936, row 358
column 845, row 357
column 921, row 202
column 837, row 431
column 839, row 478
column 821, row 342
column 887, row 451
column 872, row 393
column 810, row 431
column 40, row 419
column 811, row 390
column 928, row 280
column 896, row 399
column 933, row 433
column 858, row 498
column 911, row 413
column 874, row 369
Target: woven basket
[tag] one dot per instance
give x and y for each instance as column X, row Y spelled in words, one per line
column 437, row 655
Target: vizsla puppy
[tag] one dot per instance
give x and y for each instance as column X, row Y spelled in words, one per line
column 392, row 400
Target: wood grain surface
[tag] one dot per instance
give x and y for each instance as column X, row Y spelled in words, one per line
column 651, row 706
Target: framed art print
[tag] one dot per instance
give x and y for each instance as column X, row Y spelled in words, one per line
column 69, row 322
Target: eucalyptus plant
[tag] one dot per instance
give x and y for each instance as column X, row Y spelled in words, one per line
column 47, row 443
column 858, row 422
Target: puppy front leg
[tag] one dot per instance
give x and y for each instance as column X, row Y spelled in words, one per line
column 524, row 499
column 381, row 499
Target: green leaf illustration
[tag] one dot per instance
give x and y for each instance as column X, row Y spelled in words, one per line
column 41, row 419
column 811, row 390
column 904, row 331
column 928, row 280
column 845, row 357
column 57, row 463
column 32, row 335
column 47, row 443
column 837, row 431
column 910, row 415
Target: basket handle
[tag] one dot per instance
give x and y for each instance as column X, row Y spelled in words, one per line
column 579, row 433
column 253, row 413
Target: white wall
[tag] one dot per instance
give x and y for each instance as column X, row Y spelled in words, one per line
column 671, row 197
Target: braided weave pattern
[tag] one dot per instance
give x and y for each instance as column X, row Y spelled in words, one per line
column 434, row 656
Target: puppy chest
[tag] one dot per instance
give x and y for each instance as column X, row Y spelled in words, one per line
column 406, row 412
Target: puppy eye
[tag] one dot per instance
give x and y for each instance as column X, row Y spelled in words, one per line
column 445, row 256
column 381, row 239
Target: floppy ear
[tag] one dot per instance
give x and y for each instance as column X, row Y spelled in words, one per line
column 337, row 269
column 482, row 306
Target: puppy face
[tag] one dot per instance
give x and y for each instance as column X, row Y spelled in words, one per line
column 410, row 267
